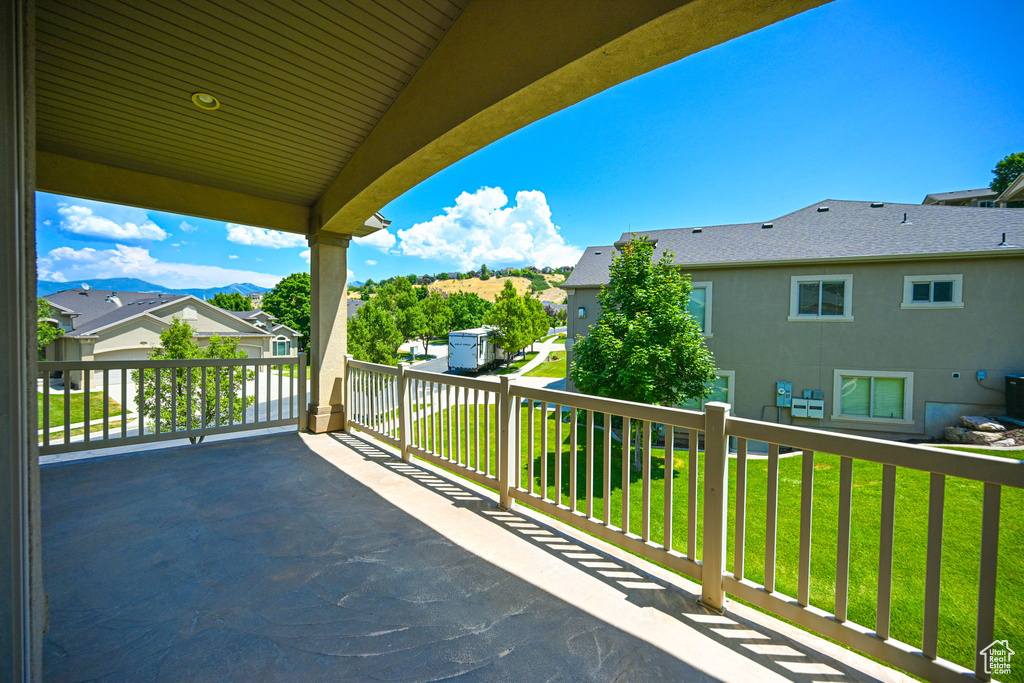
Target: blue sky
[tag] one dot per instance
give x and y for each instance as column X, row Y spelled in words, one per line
column 859, row 99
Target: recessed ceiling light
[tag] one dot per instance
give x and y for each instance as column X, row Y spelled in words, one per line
column 205, row 101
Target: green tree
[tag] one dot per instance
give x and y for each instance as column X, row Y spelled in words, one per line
column 1006, row 171
column 468, row 310
column 399, row 297
column 45, row 332
column 511, row 319
column 373, row 334
column 288, row 301
column 231, row 302
column 540, row 323
column 485, row 273
column 644, row 346
column 433, row 318
column 196, row 404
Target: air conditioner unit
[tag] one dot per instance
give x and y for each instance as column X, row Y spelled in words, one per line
column 1015, row 396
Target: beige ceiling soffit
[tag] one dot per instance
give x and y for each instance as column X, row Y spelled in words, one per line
column 503, row 65
column 89, row 180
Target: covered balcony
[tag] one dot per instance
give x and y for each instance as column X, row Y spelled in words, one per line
column 413, row 526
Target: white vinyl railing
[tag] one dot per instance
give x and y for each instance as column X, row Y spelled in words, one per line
column 159, row 400
column 509, row 438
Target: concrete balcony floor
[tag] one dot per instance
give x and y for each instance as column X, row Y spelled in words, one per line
column 305, row 558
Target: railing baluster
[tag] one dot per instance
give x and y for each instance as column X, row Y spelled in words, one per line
column 245, row 393
column 669, row 474
column 627, row 442
column 174, row 399
column 156, row 401
column 803, row 591
column 985, row 633
column 771, row 517
column 448, row 391
column 933, row 566
column 124, row 403
column 476, row 430
column 589, row 493
column 140, row 390
column 87, row 396
column 606, row 512
column 843, row 535
column 46, row 407
column 645, row 475
column 518, row 441
column 255, row 395
column 691, row 494
column 558, row 455
column 106, row 404
column 67, row 407
column 270, row 392
column 280, row 391
column 740, row 533
column 487, row 433
column 217, row 393
column 531, row 452
column 885, row 551
column 544, row 450
column 573, row 459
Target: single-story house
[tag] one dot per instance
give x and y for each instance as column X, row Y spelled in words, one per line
column 111, row 326
column 1010, row 198
column 899, row 318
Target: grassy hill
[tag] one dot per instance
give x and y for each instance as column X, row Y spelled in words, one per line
column 489, row 289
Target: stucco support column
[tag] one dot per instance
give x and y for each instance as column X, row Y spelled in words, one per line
column 328, row 330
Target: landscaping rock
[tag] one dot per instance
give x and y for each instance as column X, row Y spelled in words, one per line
column 1004, row 443
column 981, row 423
column 968, row 436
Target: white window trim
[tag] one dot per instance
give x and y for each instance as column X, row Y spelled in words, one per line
column 278, row 340
column 707, row 287
column 908, row 291
column 908, row 396
column 794, row 299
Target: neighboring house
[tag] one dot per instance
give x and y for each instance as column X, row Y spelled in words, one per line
column 112, row 326
column 256, row 299
column 902, row 316
column 1010, row 198
column 353, row 307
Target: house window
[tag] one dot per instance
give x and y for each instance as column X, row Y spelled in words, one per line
column 821, row 298
column 282, row 347
column 721, row 391
column 933, row 291
column 699, row 306
column 873, row 396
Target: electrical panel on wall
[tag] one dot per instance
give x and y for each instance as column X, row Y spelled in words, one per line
column 783, row 394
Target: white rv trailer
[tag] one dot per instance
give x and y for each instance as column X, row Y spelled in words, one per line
column 472, row 350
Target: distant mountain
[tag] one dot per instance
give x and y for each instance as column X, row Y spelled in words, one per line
column 130, row 284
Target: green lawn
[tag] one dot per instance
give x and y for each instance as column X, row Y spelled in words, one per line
column 291, row 370
column 517, row 366
column 553, row 367
column 77, row 408
column 962, row 533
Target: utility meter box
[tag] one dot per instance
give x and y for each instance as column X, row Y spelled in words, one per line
column 816, row 409
column 799, row 407
column 783, row 394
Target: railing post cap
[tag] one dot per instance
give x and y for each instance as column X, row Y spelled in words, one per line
column 716, row 406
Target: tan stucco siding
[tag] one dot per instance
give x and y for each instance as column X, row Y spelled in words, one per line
column 205, row 320
column 752, row 336
column 130, row 335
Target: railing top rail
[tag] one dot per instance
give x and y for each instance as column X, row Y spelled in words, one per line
column 373, row 367
column 677, row 417
column 454, row 380
column 953, row 463
column 54, row 365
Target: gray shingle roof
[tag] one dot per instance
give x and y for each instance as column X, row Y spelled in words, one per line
column 960, row 194
column 847, row 230
column 95, row 311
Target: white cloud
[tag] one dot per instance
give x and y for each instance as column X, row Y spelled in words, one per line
column 481, row 229
column 232, row 256
column 382, row 240
column 370, row 262
column 65, row 264
column 187, row 227
column 47, row 223
column 305, row 255
column 80, row 220
column 176, row 245
column 258, row 237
